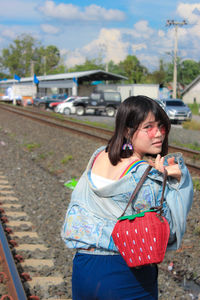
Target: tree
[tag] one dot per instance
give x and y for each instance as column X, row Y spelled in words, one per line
column 16, row 59
column 89, row 64
column 26, row 56
column 188, row 70
column 159, row 76
column 133, row 69
column 115, row 68
column 51, row 56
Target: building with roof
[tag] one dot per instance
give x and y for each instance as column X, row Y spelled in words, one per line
column 191, row 94
column 75, row 83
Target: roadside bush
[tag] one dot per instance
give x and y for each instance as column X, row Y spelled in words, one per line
column 194, row 108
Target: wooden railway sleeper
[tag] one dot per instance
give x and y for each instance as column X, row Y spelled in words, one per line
column 4, row 219
column 25, row 276
column 8, row 230
column 3, row 277
column 19, row 258
column 13, row 243
column 33, row 298
column 6, row 297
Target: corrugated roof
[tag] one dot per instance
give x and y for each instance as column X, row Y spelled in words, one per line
column 81, row 76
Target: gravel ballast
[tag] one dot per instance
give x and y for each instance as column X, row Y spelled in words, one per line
column 38, row 160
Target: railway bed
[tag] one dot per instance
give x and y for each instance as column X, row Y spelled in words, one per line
column 96, row 133
column 37, row 175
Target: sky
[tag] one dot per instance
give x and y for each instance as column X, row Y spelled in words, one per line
column 108, row 29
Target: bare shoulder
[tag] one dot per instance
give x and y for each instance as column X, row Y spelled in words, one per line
column 103, row 167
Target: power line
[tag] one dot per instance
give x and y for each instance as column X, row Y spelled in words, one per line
column 175, row 24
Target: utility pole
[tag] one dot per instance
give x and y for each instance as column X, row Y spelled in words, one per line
column 176, row 24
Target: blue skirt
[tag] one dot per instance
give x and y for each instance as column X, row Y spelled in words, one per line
column 107, row 277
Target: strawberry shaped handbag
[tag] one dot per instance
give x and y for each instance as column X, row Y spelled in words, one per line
column 142, row 238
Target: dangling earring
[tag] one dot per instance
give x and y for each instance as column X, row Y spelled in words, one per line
column 127, row 146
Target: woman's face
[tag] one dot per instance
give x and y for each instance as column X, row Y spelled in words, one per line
column 149, row 137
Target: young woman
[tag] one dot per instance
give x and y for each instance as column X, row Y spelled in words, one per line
column 104, row 189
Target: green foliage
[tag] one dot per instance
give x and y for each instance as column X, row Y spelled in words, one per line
column 32, row 146
column 66, row 159
column 197, row 230
column 196, row 184
column 194, row 108
column 25, row 56
column 159, row 76
column 192, row 125
column 93, row 64
column 194, row 146
column 188, row 70
column 18, row 56
column 132, row 69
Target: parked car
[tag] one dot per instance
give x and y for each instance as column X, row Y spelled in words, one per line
column 177, row 110
column 45, row 101
column 53, row 105
column 99, row 102
column 36, row 101
column 68, row 107
column 160, row 102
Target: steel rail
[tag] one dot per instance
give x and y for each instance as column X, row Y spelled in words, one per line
column 61, row 126
column 24, row 111
column 14, row 283
column 37, row 117
column 32, row 114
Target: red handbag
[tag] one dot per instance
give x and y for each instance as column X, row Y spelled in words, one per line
column 142, row 238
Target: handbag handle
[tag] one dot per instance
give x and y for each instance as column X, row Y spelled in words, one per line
column 140, row 183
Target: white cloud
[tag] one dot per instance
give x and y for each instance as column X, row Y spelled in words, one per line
column 49, row 29
column 161, row 33
column 142, row 29
column 149, row 61
column 190, row 12
column 109, row 44
column 18, row 10
column 138, row 47
column 44, row 21
column 8, row 33
column 73, row 12
column 73, row 58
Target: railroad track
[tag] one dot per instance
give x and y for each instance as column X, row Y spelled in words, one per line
column 29, row 252
column 23, row 257
column 91, row 132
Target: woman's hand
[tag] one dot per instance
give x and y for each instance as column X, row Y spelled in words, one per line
column 172, row 168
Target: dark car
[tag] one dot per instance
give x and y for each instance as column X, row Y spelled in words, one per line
column 100, row 102
column 36, row 101
column 177, row 110
column 45, row 101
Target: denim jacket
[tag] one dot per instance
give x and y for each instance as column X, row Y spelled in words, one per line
column 93, row 212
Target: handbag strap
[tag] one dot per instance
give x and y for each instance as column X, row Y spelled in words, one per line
column 140, row 183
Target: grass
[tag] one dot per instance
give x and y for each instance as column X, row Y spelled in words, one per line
column 196, row 184
column 191, row 125
column 95, row 124
column 197, row 230
column 194, row 146
column 45, row 155
column 194, row 108
column 32, row 146
column 65, row 159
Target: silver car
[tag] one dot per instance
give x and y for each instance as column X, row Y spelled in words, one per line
column 177, row 110
column 68, row 107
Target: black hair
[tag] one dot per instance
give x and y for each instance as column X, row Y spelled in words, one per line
column 131, row 113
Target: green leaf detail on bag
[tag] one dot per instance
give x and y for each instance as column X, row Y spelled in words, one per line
column 132, row 217
column 71, row 183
